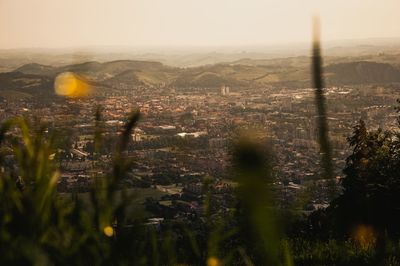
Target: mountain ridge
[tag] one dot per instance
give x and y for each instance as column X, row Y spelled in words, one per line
column 286, row 72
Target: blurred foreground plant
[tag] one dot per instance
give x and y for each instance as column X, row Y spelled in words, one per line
column 258, row 230
column 40, row 228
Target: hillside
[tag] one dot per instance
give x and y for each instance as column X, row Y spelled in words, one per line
column 37, row 80
column 361, row 73
column 36, row 69
column 15, row 85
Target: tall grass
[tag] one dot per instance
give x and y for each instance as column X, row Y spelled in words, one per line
column 320, row 103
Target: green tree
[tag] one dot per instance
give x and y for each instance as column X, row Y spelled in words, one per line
column 371, row 183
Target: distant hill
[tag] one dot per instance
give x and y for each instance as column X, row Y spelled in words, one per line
column 36, row 79
column 124, row 70
column 128, row 76
column 36, row 69
column 18, row 84
column 362, row 72
column 112, row 68
column 136, row 72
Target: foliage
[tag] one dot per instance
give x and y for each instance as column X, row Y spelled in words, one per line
column 371, row 183
column 37, row 227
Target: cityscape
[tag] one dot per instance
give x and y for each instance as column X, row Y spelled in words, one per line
column 185, row 134
column 199, row 132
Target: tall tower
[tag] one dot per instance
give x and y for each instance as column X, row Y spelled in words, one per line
column 223, row 90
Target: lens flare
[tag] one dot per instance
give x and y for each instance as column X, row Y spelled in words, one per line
column 213, row 261
column 364, row 236
column 71, row 85
column 108, row 231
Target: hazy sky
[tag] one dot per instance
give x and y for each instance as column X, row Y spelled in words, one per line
column 70, row 23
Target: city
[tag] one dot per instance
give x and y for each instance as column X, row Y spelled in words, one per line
column 185, row 135
column 200, row 132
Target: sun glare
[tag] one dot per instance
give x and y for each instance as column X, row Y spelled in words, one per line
column 108, row 231
column 71, row 85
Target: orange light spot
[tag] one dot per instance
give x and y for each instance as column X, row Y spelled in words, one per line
column 364, row 236
column 213, row 261
column 71, row 85
column 108, row 231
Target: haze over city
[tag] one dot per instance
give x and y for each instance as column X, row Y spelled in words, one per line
column 136, row 23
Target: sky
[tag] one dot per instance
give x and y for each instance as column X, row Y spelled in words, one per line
column 140, row 23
